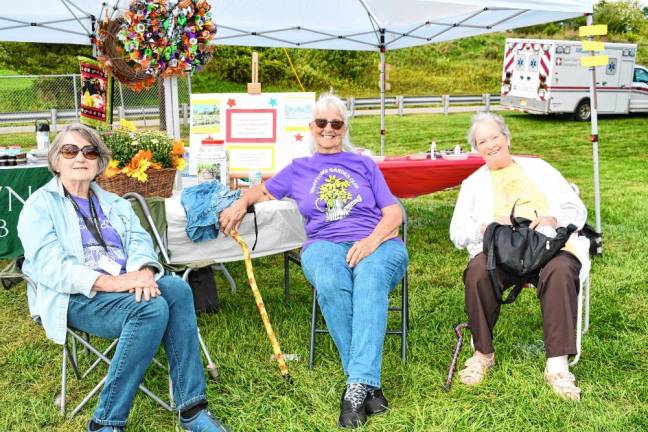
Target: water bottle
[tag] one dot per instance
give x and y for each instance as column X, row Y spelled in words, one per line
column 433, row 150
column 457, row 150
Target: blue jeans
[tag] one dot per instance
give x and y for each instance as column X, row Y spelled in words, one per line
column 354, row 301
column 169, row 318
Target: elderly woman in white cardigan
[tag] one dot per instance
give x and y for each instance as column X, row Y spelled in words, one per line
column 544, row 197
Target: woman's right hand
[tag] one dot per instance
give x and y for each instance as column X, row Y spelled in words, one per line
column 502, row 220
column 141, row 283
column 231, row 217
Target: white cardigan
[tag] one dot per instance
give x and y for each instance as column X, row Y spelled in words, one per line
column 474, row 205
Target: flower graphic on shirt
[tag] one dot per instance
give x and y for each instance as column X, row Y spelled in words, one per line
column 334, row 189
column 334, row 192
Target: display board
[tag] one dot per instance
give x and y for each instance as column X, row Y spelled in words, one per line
column 262, row 132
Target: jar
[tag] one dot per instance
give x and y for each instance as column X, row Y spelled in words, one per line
column 212, row 161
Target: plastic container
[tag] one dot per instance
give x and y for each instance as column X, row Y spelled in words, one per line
column 433, row 150
column 212, row 161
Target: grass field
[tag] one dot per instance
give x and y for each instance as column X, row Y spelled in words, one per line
column 250, row 395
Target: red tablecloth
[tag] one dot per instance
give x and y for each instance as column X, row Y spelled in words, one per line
column 410, row 178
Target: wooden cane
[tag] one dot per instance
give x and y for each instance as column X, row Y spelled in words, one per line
column 283, row 368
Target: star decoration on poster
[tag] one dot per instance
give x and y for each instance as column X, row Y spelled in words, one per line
column 273, row 102
column 299, row 137
column 231, row 103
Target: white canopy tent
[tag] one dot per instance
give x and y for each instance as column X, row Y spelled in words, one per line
column 368, row 25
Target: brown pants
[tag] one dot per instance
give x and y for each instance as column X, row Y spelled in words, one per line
column 557, row 289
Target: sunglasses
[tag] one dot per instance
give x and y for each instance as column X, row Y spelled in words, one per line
column 69, row 151
column 335, row 124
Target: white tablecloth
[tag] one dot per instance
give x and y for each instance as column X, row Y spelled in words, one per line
column 281, row 228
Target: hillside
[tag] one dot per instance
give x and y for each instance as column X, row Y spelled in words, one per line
column 465, row 66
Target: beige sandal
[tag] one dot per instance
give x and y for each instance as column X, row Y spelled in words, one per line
column 476, row 368
column 563, row 384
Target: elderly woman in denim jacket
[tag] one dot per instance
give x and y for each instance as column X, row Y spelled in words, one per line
column 543, row 196
column 352, row 257
column 93, row 264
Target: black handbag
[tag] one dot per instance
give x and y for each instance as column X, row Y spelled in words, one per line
column 519, row 250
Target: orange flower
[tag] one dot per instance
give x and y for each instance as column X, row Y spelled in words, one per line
column 112, row 169
column 178, row 148
column 142, row 155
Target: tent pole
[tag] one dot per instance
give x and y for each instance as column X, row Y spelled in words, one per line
column 594, row 137
column 382, row 92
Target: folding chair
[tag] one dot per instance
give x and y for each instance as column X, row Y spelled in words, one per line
column 402, row 308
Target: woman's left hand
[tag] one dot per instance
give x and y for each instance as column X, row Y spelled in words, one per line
column 361, row 249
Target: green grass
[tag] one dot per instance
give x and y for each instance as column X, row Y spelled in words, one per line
column 250, row 395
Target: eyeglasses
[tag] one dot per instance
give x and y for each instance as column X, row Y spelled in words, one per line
column 335, row 124
column 69, row 151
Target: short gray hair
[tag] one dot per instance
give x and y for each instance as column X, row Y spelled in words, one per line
column 481, row 117
column 88, row 134
column 330, row 101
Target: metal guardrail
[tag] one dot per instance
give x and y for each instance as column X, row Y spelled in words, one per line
column 401, row 102
column 353, row 104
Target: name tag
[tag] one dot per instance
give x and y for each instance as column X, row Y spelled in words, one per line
column 109, row 266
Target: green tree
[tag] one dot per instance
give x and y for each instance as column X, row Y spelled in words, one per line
column 621, row 17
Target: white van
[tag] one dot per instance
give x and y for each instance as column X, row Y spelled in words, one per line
column 542, row 76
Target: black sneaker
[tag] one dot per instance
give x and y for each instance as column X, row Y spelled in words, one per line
column 376, row 402
column 352, row 406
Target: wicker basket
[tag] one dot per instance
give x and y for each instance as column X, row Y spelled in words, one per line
column 160, row 183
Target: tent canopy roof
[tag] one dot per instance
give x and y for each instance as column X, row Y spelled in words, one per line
column 334, row 24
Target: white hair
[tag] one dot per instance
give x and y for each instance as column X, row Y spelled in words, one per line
column 326, row 102
column 481, row 117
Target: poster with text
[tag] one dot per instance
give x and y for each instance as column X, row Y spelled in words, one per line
column 261, row 132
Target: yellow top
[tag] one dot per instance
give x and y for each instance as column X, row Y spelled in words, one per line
column 511, row 184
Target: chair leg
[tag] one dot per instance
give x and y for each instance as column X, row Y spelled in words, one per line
column 211, row 366
column 106, row 360
column 221, row 268
column 311, row 352
column 63, row 379
column 586, row 286
column 404, row 318
column 286, row 278
column 579, row 326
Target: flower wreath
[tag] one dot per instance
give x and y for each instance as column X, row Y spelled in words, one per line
column 151, row 40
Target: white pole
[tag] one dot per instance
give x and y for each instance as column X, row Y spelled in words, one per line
column 382, row 92
column 594, row 137
column 171, row 107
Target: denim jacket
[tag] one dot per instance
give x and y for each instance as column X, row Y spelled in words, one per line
column 48, row 228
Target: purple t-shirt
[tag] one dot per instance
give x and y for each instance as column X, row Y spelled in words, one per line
column 92, row 249
column 340, row 195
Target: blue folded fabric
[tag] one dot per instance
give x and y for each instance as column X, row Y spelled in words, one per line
column 202, row 204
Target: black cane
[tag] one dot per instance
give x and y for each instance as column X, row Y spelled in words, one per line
column 455, row 356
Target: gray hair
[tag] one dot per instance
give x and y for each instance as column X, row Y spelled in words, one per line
column 88, row 134
column 486, row 116
column 329, row 101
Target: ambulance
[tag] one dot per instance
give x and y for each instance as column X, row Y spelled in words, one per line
column 546, row 77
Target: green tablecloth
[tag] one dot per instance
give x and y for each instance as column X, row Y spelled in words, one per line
column 16, row 185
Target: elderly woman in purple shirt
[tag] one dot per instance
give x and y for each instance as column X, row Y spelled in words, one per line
column 353, row 256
